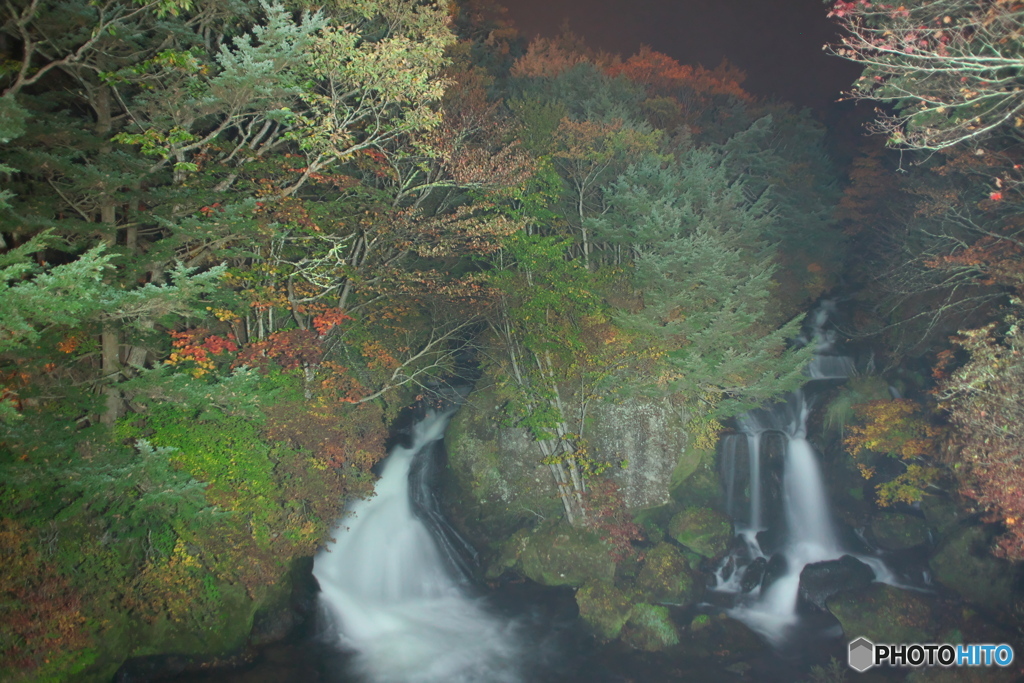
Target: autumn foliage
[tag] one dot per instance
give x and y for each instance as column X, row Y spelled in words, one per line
column 40, row 611
column 900, row 429
column 984, row 400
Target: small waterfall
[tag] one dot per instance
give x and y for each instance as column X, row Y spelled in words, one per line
column 392, row 595
column 768, row 600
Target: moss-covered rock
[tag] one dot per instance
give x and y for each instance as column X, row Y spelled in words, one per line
column 940, row 513
column 650, row 628
column 665, row 577
column 702, row 530
column 700, row 486
column 495, row 482
column 895, row 531
column 964, row 563
column 604, row 608
column 556, row 554
column 719, row 637
column 884, row 614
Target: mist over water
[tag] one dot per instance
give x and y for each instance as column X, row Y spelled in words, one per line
column 390, row 596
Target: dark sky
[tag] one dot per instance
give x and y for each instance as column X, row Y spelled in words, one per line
column 777, row 42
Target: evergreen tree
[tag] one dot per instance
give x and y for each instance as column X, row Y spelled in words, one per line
column 704, row 271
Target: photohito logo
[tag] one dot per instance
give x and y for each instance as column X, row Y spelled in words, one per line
column 864, row 654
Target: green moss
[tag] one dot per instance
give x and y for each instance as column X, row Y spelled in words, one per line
column 964, row 563
column 884, row 614
column 556, row 554
column 650, row 628
column 895, row 531
column 702, row 488
column 604, row 608
column 689, row 460
column 702, row 530
column 492, row 496
column 940, row 512
column 666, row 577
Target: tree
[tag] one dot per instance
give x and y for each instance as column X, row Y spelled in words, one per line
column 953, row 71
column 704, row 272
column 952, row 68
column 983, row 400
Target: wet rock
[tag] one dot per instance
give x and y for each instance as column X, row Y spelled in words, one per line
column 556, row 554
column 650, row 628
column 771, row 540
column 964, row 563
column 884, row 614
column 666, row 577
column 821, row 580
column 753, row 575
column 702, row 530
column 775, row 569
column 895, row 531
column 604, row 608
column 288, row 604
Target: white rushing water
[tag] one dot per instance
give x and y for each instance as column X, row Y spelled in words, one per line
column 391, row 597
column 810, row 533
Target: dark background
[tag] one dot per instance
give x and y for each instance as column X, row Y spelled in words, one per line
column 776, row 42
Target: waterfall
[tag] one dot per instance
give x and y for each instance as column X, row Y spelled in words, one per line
column 810, row 533
column 768, row 602
column 392, row 596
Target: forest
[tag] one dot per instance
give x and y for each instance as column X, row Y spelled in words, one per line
column 238, row 238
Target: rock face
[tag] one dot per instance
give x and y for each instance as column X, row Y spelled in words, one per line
column 499, row 484
column 499, row 492
column 650, row 435
column 495, row 478
column 821, row 580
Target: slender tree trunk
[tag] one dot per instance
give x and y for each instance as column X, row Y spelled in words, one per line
column 110, row 337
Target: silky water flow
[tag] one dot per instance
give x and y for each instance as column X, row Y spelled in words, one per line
column 392, row 597
column 765, row 586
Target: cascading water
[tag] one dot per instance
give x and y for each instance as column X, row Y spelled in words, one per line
column 766, row 588
column 392, row 598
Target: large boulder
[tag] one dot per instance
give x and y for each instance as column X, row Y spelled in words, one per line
column 702, row 530
column 650, row 436
column 821, row 580
column 884, row 614
column 495, row 481
column 964, row 563
column 604, row 608
column 940, row 512
column 650, row 628
column 665, row 577
column 556, row 554
column 896, row 531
